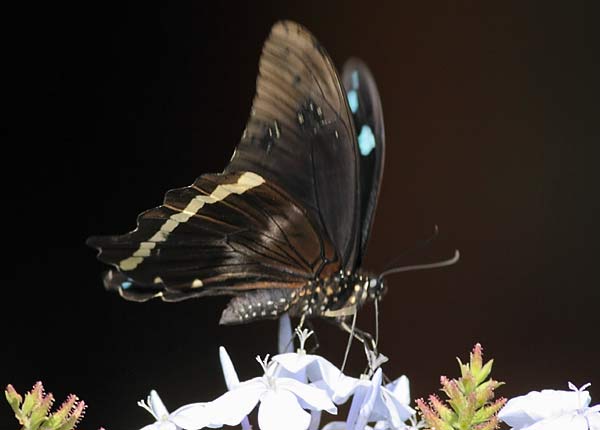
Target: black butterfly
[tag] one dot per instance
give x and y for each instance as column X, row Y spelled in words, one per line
column 285, row 227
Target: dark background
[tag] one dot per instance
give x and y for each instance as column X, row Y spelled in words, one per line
column 492, row 133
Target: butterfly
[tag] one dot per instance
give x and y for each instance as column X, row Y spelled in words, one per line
column 285, row 227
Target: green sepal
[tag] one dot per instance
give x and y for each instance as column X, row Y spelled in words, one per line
column 32, row 398
column 14, row 399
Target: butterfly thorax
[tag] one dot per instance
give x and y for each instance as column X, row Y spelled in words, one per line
column 337, row 295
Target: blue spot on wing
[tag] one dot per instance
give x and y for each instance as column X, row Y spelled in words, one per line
column 355, row 79
column 353, row 100
column 126, row 284
column 366, row 140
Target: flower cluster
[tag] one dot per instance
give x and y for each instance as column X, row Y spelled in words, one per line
column 470, row 405
column 33, row 412
column 294, row 389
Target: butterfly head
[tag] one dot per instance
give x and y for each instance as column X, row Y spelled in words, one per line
column 376, row 288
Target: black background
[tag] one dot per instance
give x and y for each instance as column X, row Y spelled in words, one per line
column 492, row 131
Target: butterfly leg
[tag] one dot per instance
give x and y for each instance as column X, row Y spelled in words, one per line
column 301, row 324
column 362, row 336
column 374, row 359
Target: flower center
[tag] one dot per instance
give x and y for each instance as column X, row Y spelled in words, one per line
column 269, row 369
column 580, row 406
column 303, row 336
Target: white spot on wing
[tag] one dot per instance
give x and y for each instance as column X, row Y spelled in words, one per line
column 130, row 263
column 197, row 283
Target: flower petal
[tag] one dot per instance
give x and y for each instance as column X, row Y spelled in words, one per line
column 229, row 373
column 231, row 408
column 341, row 425
column 194, row 416
column 246, row 424
column 311, row 397
column 369, row 401
column 593, row 419
column 285, row 340
column 331, row 379
column 319, row 371
column 160, row 425
column 360, row 395
column 564, row 422
column 389, row 408
column 157, row 406
column 280, row 410
column 293, row 365
column 315, row 420
column 401, row 389
column 293, row 362
column 526, row 410
column 335, row 425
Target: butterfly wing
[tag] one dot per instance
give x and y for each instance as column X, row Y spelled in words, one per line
column 284, row 211
column 224, row 234
column 365, row 105
column 300, row 135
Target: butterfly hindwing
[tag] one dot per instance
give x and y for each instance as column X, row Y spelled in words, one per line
column 300, row 135
column 365, row 105
column 224, row 234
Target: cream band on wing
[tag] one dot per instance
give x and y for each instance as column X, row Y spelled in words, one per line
column 246, row 181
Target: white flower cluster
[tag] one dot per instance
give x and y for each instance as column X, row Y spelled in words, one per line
column 296, row 382
column 292, row 384
column 552, row 410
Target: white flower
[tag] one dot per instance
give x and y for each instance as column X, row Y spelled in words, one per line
column 231, row 378
column 313, row 368
column 197, row 414
column 552, row 410
column 157, row 409
column 388, row 406
column 282, row 401
column 176, row 420
column 363, row 403
column 392, row 407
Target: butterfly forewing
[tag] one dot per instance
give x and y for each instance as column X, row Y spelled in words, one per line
column 300, row 135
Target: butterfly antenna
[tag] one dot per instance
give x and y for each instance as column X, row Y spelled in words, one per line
column 417, row 247
column 412, row 268
column 350, row 339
